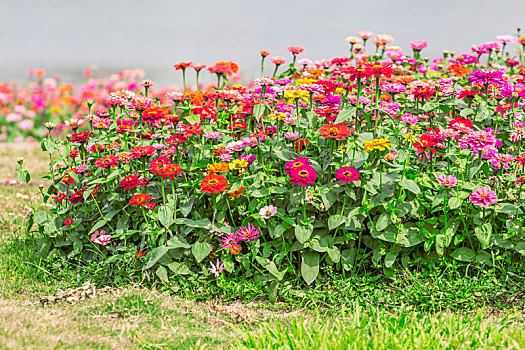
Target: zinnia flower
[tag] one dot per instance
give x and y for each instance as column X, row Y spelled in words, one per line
column 296, row 163
column 334, row 131
column 248, row 233
column 347, row 174
column 214, row 184
column 447, row 181
column 483, row 197
column 230, row 242
column 379, row 144
column 217, row 268
column 303, row 176
column 268, row 211
column 140, row 199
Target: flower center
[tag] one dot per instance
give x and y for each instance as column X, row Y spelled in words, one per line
column 213, row 182
column 303, row 173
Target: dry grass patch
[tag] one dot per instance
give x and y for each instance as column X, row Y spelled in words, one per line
column 128, row 319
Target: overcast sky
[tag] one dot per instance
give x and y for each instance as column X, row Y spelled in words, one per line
column 64, row 36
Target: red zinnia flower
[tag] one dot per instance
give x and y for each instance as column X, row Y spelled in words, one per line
column 141, row 151
column 334, row 131
column 130, row 181
column 300, row 144
column 68, row 221
column 192, row 129
column 140, row 199
column 214, row 183
column 182, row 65
column 80, row 137
column 295, row 50
column 175, row 140
column 106, row 161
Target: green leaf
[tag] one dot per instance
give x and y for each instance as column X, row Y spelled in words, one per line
column 178, row 268
column 165, row 215
column 383, row 221
column 464, row 254
column 258, row 110
column 454, row 203
column 178, row 242
column 162, row 273
column 410, row 185
column 200, row 250
column 204, row 223
column 348, row 257
column 271, row 267
column 309, row 266
column 335, row 254
column 483, row 234
column 303, row 232
column 520, row 247
column 156, row 255
column 509, row 209
column 390, row 258
column 345, row 114
column 186, row 206
column 484, row 258
column 98, row 225
column 335, row 221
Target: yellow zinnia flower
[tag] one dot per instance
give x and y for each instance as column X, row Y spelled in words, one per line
column 380, row 144
column 217, row 168
column 237, row 164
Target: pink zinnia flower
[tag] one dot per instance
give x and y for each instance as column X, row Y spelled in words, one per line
column 268, row 211
column 483, row 197
column 292, row 136
column 295, row 50
column 365, row 34
column 100, row 237
column 303, row 176
column 418, row 45
column 447, row 181
column 506, row 39
column 347, row 174
column 217, row 268
column 278, row 60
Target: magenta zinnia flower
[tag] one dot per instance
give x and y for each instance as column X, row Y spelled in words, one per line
column 486, row 77
column 447, row 181
column 303, row 175
column 248, row 233
column 290, row 166
column 347, row 174
column 230, row 242
column 483, row 197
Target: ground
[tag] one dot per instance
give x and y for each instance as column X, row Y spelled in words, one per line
column 407, row 313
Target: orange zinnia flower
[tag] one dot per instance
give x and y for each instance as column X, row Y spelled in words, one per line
column 236, row 193
column 217, row 168
column 458, row 70
column 214, row 184
column 334, row 131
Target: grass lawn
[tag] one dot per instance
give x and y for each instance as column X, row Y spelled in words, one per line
column 415, row 310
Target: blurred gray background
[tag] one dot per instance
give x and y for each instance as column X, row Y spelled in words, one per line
column 65, row 36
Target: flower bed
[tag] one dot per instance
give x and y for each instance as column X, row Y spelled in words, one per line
column 353, row 160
